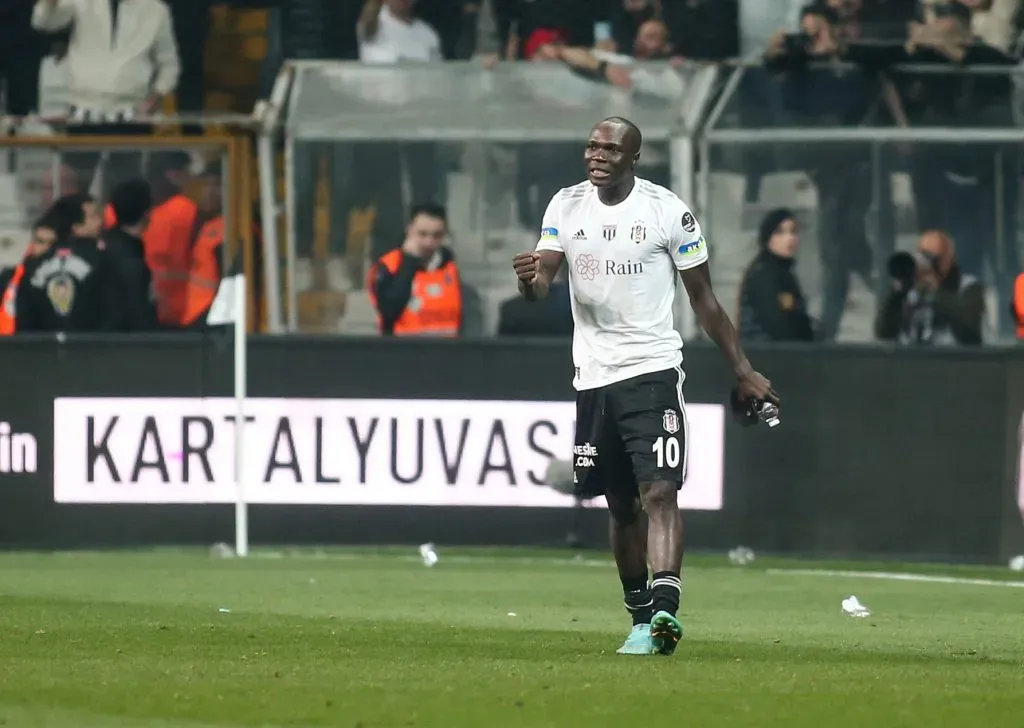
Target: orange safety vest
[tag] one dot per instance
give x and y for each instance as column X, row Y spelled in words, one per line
column 1018, row 304
column 205, row 274
column 7, row 312
column 168, row 242
column 435, row 306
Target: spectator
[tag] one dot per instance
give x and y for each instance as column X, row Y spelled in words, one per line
column 848, row 19
column 623, row 23
column 991, row 21
column 957, row 187
column 169, row 233
column 652, row 43
column 932, row 302
column 44, row 235
column 416, row 288
column 76, row 216
column 389, row 33
column 132, row 204
column 704, row 30
column 772, row 306
column 73, row 285
column 122, row 56
column 550, row 316
column 520, row 22
column 121, row 62
column 825, row 96
column 53, row 78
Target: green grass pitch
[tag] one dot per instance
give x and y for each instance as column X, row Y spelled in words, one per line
column 492, row 638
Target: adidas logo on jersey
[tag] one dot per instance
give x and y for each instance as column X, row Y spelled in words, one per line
column 580, row 235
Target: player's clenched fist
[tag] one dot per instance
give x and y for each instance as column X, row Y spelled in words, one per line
column 527, row 265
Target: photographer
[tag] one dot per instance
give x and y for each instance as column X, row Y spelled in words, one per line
column 968, row 190
column 932, row 302
column 818, row 92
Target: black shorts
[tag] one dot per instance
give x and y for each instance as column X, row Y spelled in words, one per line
column 628, row 433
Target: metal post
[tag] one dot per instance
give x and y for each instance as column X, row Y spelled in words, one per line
column 291, row 255
column 269, row 209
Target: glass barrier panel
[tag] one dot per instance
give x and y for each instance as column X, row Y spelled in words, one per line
column 858, row 203
column 492, row 146
column 191, row 187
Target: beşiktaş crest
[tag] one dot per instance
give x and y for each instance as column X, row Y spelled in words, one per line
column 638, row 233
column 670, row 421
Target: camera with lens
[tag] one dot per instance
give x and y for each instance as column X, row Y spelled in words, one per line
column 904, row 268
column 796, row 43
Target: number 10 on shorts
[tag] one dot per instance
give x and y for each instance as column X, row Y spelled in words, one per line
column 667, row 450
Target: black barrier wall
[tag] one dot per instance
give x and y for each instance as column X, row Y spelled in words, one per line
column 881, row 451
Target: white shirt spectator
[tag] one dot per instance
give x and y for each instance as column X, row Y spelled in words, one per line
column 114, row 70
column 397, row 40
column 761, row 19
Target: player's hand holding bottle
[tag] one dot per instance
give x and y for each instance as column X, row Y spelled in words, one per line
column 754, row 385
column 753, row 398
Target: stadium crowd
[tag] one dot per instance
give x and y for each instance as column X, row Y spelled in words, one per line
column 103, row 67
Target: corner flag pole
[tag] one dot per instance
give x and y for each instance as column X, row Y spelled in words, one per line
column 241, row 506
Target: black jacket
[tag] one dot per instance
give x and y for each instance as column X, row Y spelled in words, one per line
column 6, row 275
column 138, row 306
column 953, row 314
column 772, row 306
column 550, row 316
column 73, row 287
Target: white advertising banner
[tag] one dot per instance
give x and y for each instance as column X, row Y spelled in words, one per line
column 337, row 451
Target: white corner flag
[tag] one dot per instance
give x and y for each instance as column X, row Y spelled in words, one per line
column 229, row 307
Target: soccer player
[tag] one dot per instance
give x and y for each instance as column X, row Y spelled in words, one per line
column 623, row 238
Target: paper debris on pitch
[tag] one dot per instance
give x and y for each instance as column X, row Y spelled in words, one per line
column 853, row 607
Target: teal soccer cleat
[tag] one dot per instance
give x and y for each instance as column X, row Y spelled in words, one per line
column 638, row 642
column 666, row 631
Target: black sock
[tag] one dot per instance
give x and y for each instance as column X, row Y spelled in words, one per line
column 636, row 595
column 666, row 588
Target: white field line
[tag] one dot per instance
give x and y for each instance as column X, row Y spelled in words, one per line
column 896, row 576
column 462, row 559
column 608, row 563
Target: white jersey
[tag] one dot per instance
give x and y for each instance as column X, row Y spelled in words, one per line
column 622, row 276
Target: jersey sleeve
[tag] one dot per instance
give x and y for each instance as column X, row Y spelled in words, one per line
column 549, row 229
column 686, row 243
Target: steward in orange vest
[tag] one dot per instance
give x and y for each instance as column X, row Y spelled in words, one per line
column 206, row 271
column 1017, row 306
column 43, row 236
column 9, row 280
column 416, row 288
